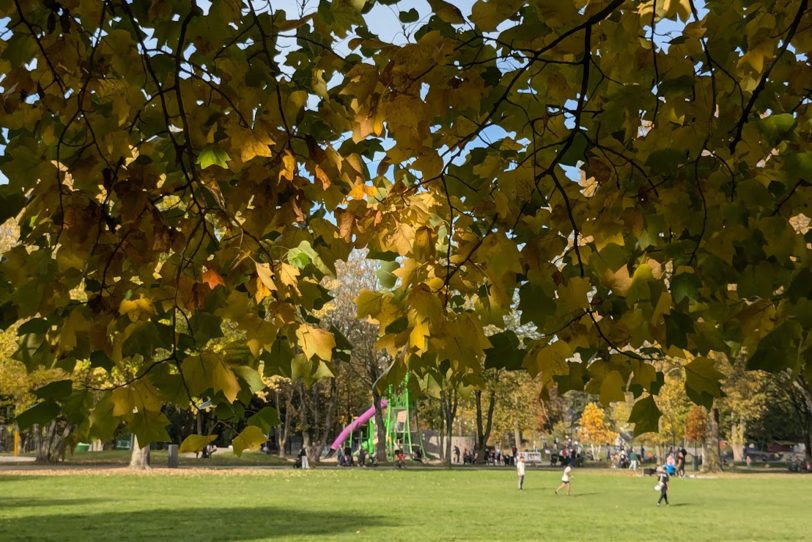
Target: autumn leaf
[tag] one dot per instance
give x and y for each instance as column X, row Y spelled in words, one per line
column 315, row 341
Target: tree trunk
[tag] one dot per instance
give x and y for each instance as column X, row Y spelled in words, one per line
column 325, row 429
column 380, row 429
column 737, row 436
column 139, row 459
column 711, row 461
column 449, row 413
column 283, row 436
column 517, row 434
column 51, row 441
column 804, row 408
column 483, row 433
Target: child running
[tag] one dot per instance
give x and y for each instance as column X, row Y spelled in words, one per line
column 565, row 480
column 520, row 471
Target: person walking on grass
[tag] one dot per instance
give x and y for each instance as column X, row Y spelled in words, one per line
column 520, row 471
column 566, row 481
column 662, row 483
column 632, row 460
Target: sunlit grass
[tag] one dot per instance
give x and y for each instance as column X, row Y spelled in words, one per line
column 384, row 504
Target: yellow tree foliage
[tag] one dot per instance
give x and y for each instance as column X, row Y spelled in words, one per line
column 593, row 429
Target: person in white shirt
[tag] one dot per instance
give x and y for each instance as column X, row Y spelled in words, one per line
column 520, row 471
column 565, row 480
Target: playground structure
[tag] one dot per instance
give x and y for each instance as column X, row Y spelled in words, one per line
column 397, row 420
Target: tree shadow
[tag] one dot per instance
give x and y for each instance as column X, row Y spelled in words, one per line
column 224, row 524
column 6, row 502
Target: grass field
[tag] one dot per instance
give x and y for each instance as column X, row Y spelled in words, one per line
column 222, row 458
column 383, row 504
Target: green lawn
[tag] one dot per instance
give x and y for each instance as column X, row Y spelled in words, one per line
column 222, row 458
column 384, row 504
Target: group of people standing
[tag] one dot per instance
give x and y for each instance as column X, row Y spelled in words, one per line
column 493, row 457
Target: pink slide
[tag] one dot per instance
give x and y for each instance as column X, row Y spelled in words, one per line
column 356, row 423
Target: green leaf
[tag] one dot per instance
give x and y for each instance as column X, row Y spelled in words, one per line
column 645, row 416
column 250, row 376
column 398, row 326
column 677, row 327
column 34, row 325
column 386, row 275
column 250, row 438
column 505, row 352
column 101, row 360
column 685, row 286
column 778, row 350
column 209, row 371
column 266, row 418
column 194, row 443
column 58, row 390
column 304, row 255
column 40, row 413
column 703, row 381
column 212, row 156
column 409, row 16
column 576, row 151
column 535, row 305
column 574, row 380
column 149, row 427
column 775, row 127
column 11, row 202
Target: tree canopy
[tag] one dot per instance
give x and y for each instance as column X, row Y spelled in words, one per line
column 631, row 176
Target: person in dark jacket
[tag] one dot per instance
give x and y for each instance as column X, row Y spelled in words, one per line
column 662, row 481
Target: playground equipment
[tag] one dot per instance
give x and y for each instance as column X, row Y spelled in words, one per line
column 354, row 426
column 397, row 421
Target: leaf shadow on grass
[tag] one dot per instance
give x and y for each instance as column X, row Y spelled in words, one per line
column 229, row 524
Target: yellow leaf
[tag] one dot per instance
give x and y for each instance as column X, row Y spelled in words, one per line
column 195, row 443
column 265, row 275
column 358, row 191
column 319, row 85
column 254, row 144
column 288, row 167
column 423, row 243
column 137, row 308
column 262, row 291
column 420, row 332
column 251, row 438
column 288, row 274
column 315, row 341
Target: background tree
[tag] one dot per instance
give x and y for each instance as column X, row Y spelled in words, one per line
column 696, row 424
column 593, row 428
